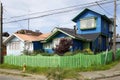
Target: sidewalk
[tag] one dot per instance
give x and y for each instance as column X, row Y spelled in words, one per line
column 20, row 73
column 93, row 75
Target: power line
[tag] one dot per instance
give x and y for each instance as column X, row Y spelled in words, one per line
column 56, row 9
column 9, row 16
column 60, row 9
column 106, row 11
column 65, row 11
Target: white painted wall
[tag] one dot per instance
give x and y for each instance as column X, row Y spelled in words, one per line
column 21, row 47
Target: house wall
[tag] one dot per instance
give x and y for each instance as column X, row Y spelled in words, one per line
column 77, row 45
column 100, row 47
column 105, row 27
column 13, row 51
column 20, row 48
column 28, row 46
column 50, row 42
column 88, row 31
column 37, row 45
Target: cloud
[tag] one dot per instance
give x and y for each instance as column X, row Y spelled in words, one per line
column 46, row 24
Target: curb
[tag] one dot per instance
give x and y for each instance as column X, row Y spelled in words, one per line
column 14, row 73
column 114, row 75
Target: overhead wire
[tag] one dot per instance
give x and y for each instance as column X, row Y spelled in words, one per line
column 74, row 6
column 65, row 11
column 107, row 12
column 10, row 16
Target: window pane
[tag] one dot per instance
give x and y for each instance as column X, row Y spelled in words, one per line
column 87, row 23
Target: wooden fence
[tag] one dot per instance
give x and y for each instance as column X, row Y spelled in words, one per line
column 76, row 61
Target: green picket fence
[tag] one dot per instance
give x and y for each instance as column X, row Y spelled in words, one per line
column 76, row 61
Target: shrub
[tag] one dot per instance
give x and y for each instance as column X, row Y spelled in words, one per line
column 63, row 46
column 88, row 51
column 47, row 54
column 68, row 54
column 77, row 52
column 26, row 52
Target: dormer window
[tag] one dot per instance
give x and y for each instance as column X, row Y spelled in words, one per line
column 88, row 23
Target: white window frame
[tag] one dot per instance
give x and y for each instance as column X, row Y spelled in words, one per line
column 47, row 45
column 56, row 42
column 85, row 23
column 14, row 45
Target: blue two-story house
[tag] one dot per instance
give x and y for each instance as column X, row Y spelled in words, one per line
column 92, row 30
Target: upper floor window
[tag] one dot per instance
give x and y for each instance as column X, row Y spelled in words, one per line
column 88, row 23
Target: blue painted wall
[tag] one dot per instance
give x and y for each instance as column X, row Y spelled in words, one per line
column 88, row 31
column 37, row 45
column 105, row 27
column 58, row 35
column 77, row 45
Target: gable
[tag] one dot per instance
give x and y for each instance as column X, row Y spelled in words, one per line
column 56, row 34
column 12, row 38
column 86, row 14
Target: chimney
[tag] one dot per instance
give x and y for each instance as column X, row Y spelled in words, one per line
column 75, row 30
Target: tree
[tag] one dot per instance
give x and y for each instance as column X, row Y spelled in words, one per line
column 63, row 46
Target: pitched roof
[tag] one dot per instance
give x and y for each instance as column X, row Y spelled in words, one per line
column 85, row 10
column 43, row 36
column 90, row 37
column 27, row 37
column 71, row 33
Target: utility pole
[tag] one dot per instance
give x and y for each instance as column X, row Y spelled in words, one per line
column 114, row 32
column 1, row 29
column 28, row 23
column 28, row 19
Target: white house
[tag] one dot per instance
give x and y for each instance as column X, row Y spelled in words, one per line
column 17, row 43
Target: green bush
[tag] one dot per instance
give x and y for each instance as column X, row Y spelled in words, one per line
column 26, row 52
column 77, row 51
column 47, row 54
column 88, row 51
column 68, row 54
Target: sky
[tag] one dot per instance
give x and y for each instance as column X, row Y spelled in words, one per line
column 46, row 24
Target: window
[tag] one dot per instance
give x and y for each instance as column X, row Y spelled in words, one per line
column 87, row 23
column 56, row 42
column 14, row 45
column 28, row 45
column 47, row 46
